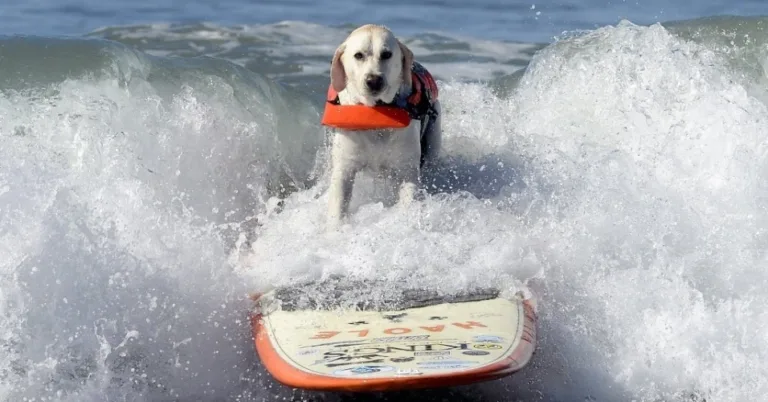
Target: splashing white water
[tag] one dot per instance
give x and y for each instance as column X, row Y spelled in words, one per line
column 120, row 205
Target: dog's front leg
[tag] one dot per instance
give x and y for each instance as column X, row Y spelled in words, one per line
column 344, row 168
column 407, row 164
column 339, row 195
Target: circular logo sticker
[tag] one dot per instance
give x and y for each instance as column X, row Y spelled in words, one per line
column 486, row 346
column 362, row 370
column 476, row 352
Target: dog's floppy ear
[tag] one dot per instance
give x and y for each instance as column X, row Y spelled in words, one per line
column 338, row 75
column 407, row 64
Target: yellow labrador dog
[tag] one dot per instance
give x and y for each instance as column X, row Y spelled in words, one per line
column 371, row 67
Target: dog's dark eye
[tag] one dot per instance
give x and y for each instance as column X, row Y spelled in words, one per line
column 359, row 56
column 386, row 55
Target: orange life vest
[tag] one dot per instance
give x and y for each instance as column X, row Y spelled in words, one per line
column 398, row 114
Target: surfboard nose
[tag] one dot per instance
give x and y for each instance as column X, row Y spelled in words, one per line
column 430, row 341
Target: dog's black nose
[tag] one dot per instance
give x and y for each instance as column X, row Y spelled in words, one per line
column 374, row 82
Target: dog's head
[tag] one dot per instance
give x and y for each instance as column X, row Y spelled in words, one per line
column 372, row 65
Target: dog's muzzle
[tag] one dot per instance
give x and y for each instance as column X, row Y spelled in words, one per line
column 375, row 83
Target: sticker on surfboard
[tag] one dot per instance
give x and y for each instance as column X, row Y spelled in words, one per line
column 441, row 343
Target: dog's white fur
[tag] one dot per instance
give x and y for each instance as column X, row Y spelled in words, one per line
column 393, row 154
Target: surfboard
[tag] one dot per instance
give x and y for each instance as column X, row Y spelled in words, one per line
column 425, row 341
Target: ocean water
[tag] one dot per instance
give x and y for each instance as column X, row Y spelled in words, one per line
column 161, row 160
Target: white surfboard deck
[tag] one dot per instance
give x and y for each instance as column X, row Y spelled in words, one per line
column 439, row 345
